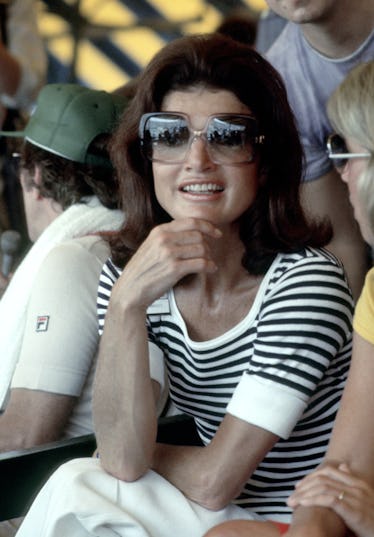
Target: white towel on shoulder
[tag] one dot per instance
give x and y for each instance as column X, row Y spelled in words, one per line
column 76, row 221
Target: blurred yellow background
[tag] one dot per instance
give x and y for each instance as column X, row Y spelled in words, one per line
column 103, row 43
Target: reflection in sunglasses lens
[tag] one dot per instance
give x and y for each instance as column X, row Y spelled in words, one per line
column 229, row 138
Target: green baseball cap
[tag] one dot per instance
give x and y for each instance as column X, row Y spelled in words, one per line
column 68, row 117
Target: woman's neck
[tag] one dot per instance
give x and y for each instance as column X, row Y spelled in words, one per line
column 230, row 276
column 342, row 32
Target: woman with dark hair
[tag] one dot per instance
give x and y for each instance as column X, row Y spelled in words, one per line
column 216, row 278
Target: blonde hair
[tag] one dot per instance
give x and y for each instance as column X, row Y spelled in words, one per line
column 351, row 112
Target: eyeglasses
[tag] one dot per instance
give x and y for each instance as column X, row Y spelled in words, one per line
column 230, row 138
column 337, row 151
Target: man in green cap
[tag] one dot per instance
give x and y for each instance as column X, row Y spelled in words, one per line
column 48, row 336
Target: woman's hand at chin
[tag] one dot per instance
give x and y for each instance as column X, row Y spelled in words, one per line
column 170, row 252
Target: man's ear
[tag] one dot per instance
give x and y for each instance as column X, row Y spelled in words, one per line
column 38, row 181
column 37, row 175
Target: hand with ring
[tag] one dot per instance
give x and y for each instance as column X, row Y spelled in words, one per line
column 340, row 490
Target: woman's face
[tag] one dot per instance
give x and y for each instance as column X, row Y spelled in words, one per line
column 350, row 175
column 199, row 187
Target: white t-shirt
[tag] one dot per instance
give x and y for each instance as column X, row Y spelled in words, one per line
column 310, row 79
column 61, row 333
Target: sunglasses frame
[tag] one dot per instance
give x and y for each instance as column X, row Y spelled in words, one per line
column 257, row 139
column 343, row 157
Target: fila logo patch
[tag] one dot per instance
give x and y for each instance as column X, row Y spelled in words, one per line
column 42, row 323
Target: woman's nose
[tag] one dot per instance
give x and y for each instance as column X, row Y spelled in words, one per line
column 198, row 154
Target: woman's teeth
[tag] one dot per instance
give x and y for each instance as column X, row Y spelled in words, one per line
column 208, row 187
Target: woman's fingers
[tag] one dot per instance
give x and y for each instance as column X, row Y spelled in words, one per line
column 191, row 224
column 177, row 241
column 340, row 474
column 338, row 489
column 170, row 252
column 326, row 484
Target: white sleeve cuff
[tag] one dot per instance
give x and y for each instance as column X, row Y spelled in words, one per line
column 49, row 379
column 266, row 405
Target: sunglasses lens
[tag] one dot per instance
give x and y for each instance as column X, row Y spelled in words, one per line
column 166, row 137
column 337, row 148
column 229, row 138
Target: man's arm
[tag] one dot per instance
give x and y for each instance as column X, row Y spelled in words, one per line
column 55, row 359
column 10, row 70
column 328, row 197
column 26, row 48
column 3, row 284
column 33, row 417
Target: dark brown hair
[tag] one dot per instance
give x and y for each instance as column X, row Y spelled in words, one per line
column 275, row 222
column 69, row 182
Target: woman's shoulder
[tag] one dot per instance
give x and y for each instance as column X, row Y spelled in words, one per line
column 369, row 280
column 311, row 257
column 312, row 279
column 309, row 265
column 364, row 312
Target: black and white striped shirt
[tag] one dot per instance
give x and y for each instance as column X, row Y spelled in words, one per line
column 282, row 368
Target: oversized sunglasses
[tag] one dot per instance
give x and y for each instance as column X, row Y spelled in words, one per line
column 230, row 138
column 337, row 151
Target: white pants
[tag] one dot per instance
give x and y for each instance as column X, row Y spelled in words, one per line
column 81, row 499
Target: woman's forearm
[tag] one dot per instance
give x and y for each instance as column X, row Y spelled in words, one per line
column 124, row 400
column 316, row 522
